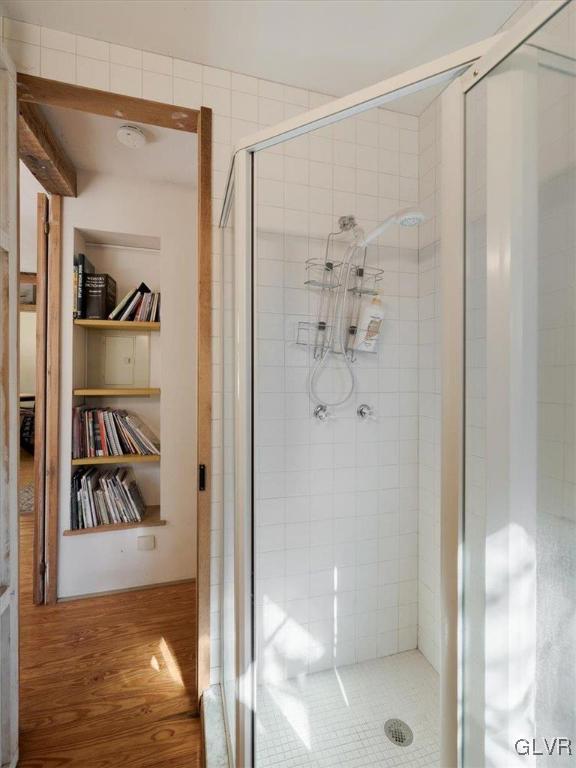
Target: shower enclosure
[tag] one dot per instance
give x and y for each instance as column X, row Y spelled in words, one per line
column 397, row 514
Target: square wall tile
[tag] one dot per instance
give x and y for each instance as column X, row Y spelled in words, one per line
column 92, row 73
column 187, row 93
column 21, row 31
column 93, row 49
column 59, row 41
column 154, row 62
column 187, row 70
column 127, row 57
column 58, row 65
column 157, row 87
column 126, row 80
column 244, row 83
column 219, row 77
column 217, row 98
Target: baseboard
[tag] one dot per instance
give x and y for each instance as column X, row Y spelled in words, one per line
column 126, row 589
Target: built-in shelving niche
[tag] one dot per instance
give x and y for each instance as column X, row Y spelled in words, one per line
column 117, row 363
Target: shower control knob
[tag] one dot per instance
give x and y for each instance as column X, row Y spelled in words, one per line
column 321, row 412
column 364, row 411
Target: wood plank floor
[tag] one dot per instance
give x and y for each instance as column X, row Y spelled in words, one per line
column 107, row 682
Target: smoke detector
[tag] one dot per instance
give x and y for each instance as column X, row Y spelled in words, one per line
column 131, row 136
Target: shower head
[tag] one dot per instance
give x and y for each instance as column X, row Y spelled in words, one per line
column 409, row 217
column 405, row 217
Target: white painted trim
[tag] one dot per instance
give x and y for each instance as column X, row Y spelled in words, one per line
column 245, row 701
column 452, row 396
column 367, row 98
column 516, row 36
column 511, row 406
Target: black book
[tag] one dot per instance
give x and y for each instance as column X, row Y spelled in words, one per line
column 99, row 296
column 74, row 520
column 85, row 267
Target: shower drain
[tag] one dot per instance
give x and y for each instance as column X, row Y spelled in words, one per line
column 398, row 732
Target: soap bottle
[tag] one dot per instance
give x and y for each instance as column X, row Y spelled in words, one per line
column 369, row 325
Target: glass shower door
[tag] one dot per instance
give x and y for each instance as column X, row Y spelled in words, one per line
column 520, row 429
column 267, row 280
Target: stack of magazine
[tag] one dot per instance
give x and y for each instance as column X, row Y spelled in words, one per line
column 104, row 497
column 110, row 432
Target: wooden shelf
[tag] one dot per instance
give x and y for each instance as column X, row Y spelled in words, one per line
column 116, row 325
column 151, row 519
column 27, row 307
column 127, row 458
column 118, row 392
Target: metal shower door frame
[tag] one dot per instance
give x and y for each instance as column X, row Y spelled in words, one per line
column 484, row 55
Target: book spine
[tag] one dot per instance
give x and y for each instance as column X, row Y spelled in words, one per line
column 75, row 292
column 102, row 428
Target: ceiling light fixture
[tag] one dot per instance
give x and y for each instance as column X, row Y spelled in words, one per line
column 131, row 136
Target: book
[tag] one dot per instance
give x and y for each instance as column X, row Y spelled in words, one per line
column 84, row 267
column 99, row 296
column 110, row 432
column 129, row 307
column 123, row 303
column 75, row 291
column 104, row 497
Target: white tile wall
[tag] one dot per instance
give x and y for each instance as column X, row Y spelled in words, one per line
column 336, row 534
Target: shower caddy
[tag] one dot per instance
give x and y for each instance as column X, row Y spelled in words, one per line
column 341, row 286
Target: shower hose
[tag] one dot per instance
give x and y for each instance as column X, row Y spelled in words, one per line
column 337, row 340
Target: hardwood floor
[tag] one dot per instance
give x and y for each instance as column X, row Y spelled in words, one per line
column 107, row 682
column 26, row 468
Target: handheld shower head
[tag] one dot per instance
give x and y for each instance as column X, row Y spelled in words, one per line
column 405, row 217
column 409, row 217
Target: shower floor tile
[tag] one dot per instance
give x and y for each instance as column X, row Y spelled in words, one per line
column 335, row 719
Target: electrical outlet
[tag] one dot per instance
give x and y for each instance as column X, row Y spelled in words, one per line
column 146, row 543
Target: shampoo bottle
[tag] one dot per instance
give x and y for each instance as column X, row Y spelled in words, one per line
column 369, row 324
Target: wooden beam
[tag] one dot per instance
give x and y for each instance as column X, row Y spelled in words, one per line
column 42, row 154
column 204, row 423
column 39, row 90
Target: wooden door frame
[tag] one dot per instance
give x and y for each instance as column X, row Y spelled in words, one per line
column 38, row 557
column 38, row 90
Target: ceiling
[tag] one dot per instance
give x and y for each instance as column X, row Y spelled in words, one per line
column 91, row 144
column 331, row 46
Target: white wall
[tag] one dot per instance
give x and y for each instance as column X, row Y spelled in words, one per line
column 109, row 560
column 29, row 189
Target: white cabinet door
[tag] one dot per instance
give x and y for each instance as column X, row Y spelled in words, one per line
column 9, row 419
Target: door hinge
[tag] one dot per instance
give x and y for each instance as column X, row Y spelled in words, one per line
column 42, row 568
column 202, row 477
column 46, row 227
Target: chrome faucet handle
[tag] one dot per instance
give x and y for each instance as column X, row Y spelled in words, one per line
column 321, row 412
column 365, row 411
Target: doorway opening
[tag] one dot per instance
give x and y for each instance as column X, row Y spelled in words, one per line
column 111, row 412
